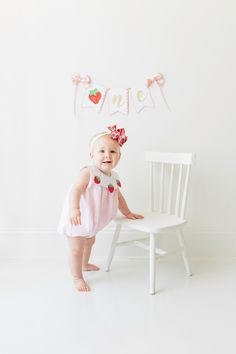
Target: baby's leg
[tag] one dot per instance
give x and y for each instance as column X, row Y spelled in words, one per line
column 87, row 251
column 76, row 246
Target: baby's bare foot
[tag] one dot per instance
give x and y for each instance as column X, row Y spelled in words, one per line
column 81, row 285
column 89, row 267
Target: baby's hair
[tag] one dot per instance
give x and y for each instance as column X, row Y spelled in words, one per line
column 96, row 137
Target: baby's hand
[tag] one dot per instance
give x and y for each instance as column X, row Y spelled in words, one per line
column 75, row 217
column 134, row 216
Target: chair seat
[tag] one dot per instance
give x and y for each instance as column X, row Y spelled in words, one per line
column 153, row 222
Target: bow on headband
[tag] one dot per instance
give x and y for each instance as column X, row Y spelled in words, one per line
column 118, row 134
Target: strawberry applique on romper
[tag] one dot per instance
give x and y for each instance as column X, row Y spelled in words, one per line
column 98, row 205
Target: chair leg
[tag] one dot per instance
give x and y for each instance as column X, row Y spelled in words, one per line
column 113, row 247
column 152, row 264
column 184, row 254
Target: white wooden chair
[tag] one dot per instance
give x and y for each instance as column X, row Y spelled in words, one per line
column 169, row 181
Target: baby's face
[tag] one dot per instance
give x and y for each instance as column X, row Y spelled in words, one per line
column 105, row 154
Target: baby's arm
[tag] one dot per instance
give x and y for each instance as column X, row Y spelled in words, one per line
column 123, row 207
column 77, row 190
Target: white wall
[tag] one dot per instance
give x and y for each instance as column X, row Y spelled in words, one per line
column 119, row 44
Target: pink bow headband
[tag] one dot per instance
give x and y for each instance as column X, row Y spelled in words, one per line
column 115, row 134
column 118, row 135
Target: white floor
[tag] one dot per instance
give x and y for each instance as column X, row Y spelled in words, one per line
column 41, row 313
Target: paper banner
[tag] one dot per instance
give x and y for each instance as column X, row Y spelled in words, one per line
column 141, row 97
column 94, row 97
column 118, row 100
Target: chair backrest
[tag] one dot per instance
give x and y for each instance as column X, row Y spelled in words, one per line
column 169, row 181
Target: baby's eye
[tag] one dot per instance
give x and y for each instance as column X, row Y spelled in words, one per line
column 101, row 150
column 113, row 151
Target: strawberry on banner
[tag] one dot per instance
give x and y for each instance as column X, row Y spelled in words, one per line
column 118, row 100
column 94, row 97
column 141, row 97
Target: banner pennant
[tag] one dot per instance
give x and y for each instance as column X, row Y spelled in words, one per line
column 141, row 97
column 94, row 97
column 118, row 101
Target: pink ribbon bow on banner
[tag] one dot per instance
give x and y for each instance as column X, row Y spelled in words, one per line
column 77, row 79
column 118, row 134
column 160, row 80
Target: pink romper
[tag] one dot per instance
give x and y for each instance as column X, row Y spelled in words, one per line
column 98, row 205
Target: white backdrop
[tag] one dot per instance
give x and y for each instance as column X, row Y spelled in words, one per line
column 119, row 44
